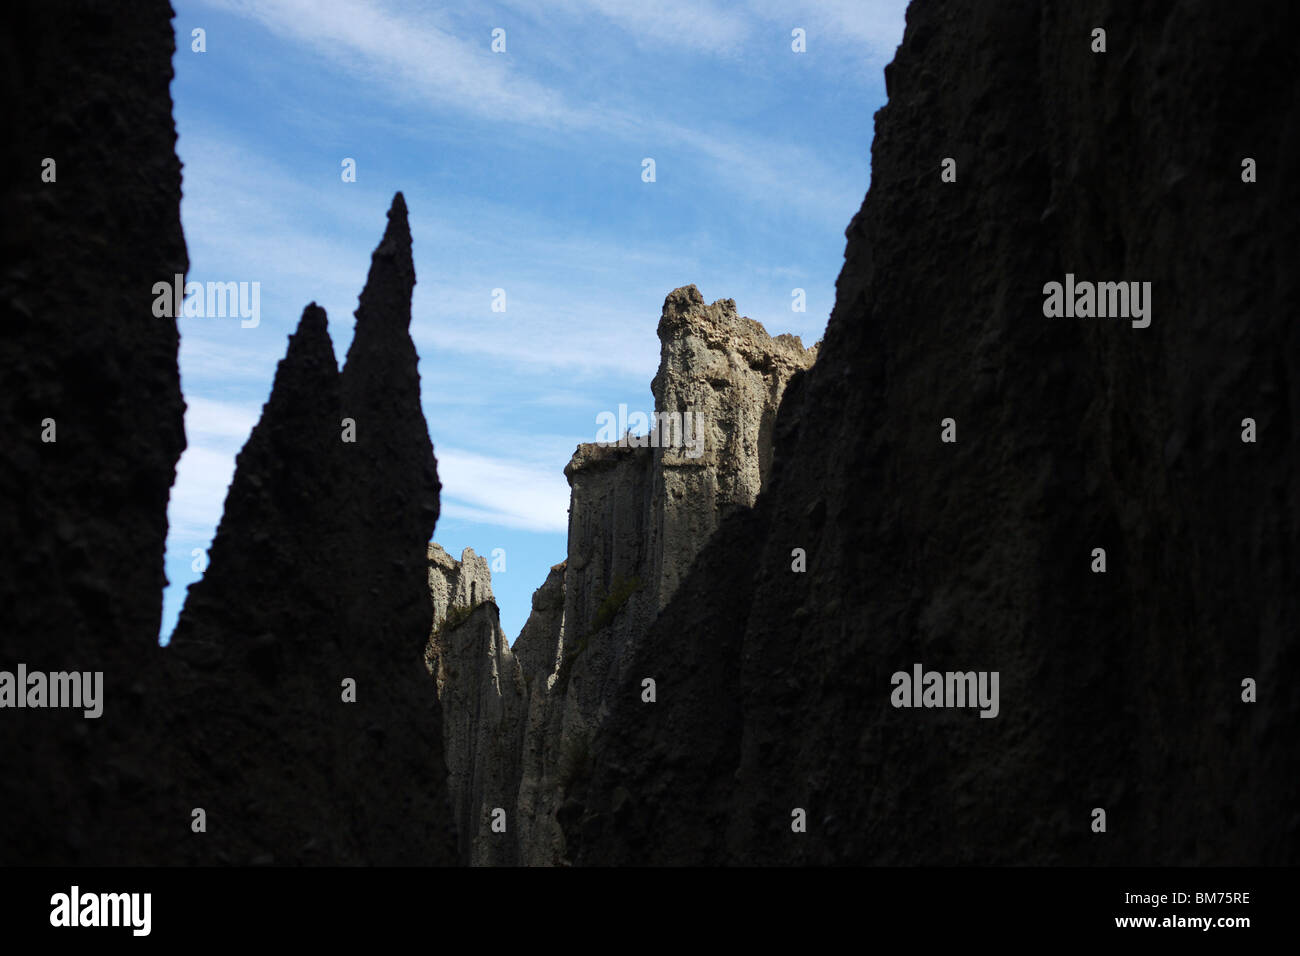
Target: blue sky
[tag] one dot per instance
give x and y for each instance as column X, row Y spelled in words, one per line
column 522, row 171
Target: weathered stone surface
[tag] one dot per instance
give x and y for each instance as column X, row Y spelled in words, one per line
column 539, row 643
column 540, row 652
column 481, row 690
column 463, row 584
column 637, row 516
column 1118, row 690
column 726, row 370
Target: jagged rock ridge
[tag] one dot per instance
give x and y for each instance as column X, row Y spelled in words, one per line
column 638, row 513
column 317, row 578
column 457, row 584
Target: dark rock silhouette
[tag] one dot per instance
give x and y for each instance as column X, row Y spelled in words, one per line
column 1119, row 690
column 317, row 571
column 317, row 577
column 83, row 518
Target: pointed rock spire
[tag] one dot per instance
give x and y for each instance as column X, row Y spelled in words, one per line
column 317, row 583
column 386, row 300
column 277, row 502
column 395, row 471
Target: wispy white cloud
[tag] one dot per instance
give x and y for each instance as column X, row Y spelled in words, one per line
column 199, row 494
column 873, row 26
column 691, row 24
column 226, row 423
column 440, row 71
column 215, row 431
column 414, row 57
column 868, row 29
column 500, row 491
column 232, row 360
column 550, row 345
column 244, row 210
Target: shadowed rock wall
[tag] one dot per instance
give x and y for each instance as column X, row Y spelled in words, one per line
column 1119, row 690
column 83, row 518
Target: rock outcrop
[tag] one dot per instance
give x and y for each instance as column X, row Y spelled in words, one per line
column 538, row 647
column 727, row 371
column 90, row 408
column 314, row 611
column 1119, row 690
column 457, row 584
column 481, row 691
column 638, row 512
column 317, row 574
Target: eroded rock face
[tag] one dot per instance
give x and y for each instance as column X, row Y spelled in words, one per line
column 539, row 642
column 461, row 584
column 638, row 514
column 481, row 690
column 1119, row 690
column 731, row 374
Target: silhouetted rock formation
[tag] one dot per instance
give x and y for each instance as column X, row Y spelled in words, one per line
column 317, row 571
column 83, row 518
column 317, row 578
column 1119, row 690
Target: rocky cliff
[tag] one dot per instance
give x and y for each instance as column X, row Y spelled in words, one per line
column 457, row 584
column 724, row 369
column 481, row 691
column 640, row 508
column 316, row 594
column 90, row 407
column 1121, row 690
